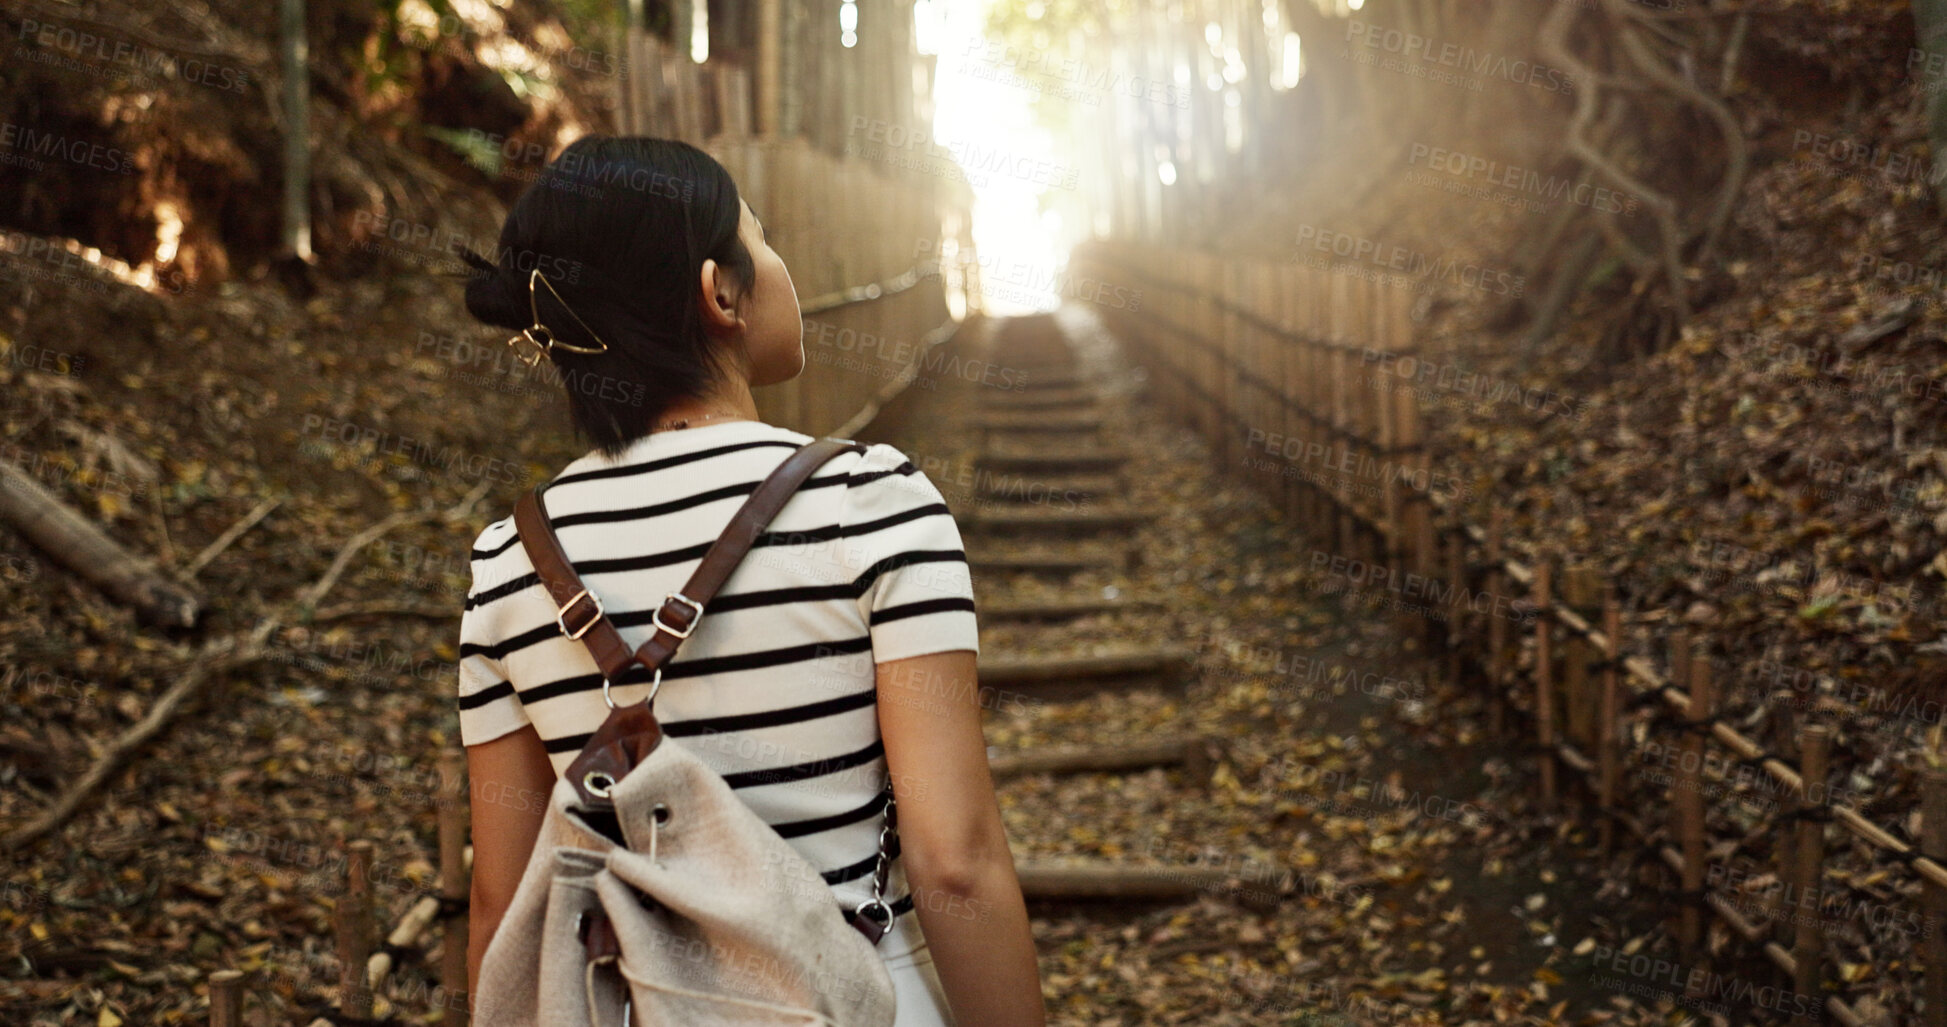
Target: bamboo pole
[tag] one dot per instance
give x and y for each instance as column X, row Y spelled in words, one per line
column 1389, row 435
column 1458, row 622
column 1689, row 804
column 1230, row 347
column 1497, row 628
column 1933, row 897
column 1784, row 734
column 226, row 998
column 1544, row 679
column 294, row 54
column 1581, row 589
column 1341, row 487
column 1609, row 720
column 1815, row 742
column 354, row 917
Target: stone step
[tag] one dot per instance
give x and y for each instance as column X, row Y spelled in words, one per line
column 1195, row 753
column 1060, row 608
column 1051, row 378
column 1031, row 461
column 1062, row 678
column 1011, row 489
column 1055, row 519
column 1049, row 423
column 996, row 401
column 1050, row 559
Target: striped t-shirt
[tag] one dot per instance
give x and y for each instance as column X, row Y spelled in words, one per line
column 775, row 690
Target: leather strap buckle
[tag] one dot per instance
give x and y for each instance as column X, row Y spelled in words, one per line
column 561, row 614
column 695, row 618
column 873, row 918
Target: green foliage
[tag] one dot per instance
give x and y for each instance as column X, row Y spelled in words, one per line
column 473, row 147
column 1047, row 23
column 400, row 43
column 1048, row 26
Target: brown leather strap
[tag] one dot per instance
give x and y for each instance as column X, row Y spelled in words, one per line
column 580, row 611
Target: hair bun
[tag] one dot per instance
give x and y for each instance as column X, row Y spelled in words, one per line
column 495, row 295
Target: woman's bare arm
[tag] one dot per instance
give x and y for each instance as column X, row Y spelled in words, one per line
column 511, row 781
column 950, row 836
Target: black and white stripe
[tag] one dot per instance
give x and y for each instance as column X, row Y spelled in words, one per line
column 775, row 691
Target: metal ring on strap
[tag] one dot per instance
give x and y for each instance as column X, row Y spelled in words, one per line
column 654, row 686
column 884, row 912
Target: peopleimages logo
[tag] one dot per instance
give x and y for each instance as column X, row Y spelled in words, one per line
column 1696, row 983
column 86, row 50
column 1415, row 268
column 1077, row 71
column 1520, row 181
column 25, row 141
column 1410, row 46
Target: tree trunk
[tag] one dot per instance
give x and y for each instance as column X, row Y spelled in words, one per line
column 1930, row 24
column 297, row 133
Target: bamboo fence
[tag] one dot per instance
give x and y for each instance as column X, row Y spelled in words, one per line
column 1239, row 350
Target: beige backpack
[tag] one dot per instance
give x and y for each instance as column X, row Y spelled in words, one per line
column 654, row 895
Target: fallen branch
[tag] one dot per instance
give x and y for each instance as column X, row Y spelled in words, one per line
column 79, row 545
column 387, row 608
column 309, row 601
column 229, row 536
column 218, row 656
column 224, row 654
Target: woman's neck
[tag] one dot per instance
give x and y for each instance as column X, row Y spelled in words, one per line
column 731, row 403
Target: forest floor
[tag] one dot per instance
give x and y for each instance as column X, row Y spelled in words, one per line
column 214, row 845
column 1419, row 898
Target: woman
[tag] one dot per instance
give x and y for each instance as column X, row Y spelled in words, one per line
column 662, row 306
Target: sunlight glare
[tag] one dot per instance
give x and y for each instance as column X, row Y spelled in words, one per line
column 984, row 111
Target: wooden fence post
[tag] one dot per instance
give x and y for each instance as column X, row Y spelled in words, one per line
column 354, row 917
column 1784, row 736
column 1315, row 509
column 1680, row 659
column 1933, row 897
column 1689, row 803
column 1581, row 589
column 1397, row 430
column 1390, row 505
column 1497, row 628
column 1544, row 597
column 456, row 885
column 226, row 998
column 1419, row 506
column 1815, row 743
column 1609, row 719
column 1457, row 621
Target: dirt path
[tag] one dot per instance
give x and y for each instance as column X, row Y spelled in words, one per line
column 1381, row 871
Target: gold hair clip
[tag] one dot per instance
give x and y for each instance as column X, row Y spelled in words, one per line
column 547, row 341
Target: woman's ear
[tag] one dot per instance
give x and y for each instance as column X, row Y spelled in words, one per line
column 719, row 299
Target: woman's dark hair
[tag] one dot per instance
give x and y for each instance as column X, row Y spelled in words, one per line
column 620, row 226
